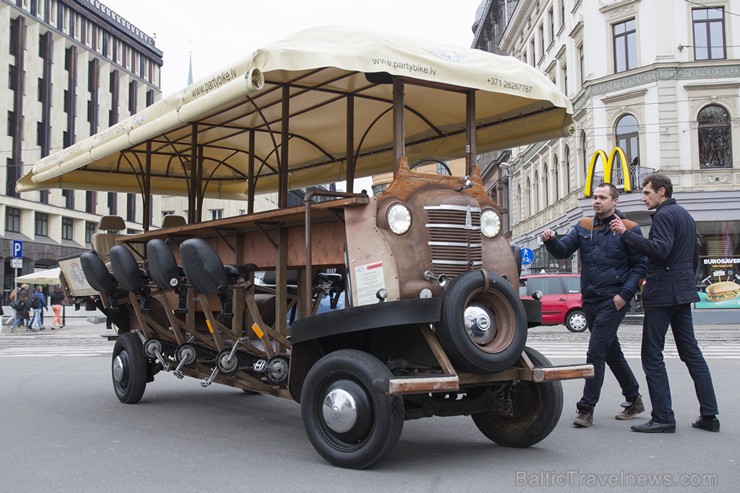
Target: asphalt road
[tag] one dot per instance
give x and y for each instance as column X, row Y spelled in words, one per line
column 64, row 430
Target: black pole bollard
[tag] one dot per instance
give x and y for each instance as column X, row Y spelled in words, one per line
column 64, row 313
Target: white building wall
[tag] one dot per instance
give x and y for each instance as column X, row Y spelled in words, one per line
column 664, row 91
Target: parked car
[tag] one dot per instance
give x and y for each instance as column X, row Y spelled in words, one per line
column 561, row 298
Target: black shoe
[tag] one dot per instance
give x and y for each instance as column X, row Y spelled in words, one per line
column 709, row 423
column 655, row 427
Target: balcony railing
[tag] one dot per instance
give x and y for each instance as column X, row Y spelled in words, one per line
column 637, row 175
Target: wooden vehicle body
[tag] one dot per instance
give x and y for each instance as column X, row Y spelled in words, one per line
column 432, row 323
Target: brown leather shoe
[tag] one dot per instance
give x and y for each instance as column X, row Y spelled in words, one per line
column 631, row 409
column 583, row 419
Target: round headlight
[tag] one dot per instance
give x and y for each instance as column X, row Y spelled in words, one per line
column 490, row 223
column 399, row 218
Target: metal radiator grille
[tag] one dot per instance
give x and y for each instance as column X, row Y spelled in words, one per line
column 454, row 239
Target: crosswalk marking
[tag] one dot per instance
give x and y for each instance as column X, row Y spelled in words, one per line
column 58, row 351
column 578, row 350
column 552, row 349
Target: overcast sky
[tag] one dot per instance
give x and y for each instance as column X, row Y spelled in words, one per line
column 221, row 31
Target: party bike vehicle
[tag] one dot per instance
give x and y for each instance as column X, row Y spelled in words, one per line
column 432, row 323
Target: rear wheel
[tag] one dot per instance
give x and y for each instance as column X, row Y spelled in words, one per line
column 536, row 410
column 482, row 330
column 575, row 321
column 349, row 421
column 130, row 368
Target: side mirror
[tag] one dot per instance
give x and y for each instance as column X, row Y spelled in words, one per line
column 537, row 295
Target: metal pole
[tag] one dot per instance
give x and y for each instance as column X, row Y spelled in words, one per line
column 470, row 144
column 399, row 149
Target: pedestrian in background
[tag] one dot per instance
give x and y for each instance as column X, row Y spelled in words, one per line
column 56, row 299
column 38, row 304
column 673, row 257
column 21, row 309
column 611, row 274
column 11, row 306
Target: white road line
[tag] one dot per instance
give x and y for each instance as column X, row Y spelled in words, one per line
column 28, row 352
column 578, row 350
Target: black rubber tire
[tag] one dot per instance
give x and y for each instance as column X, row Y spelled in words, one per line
column 575, row 321
column 537, row 410
column 379, row 421
column 508, row 323
column 134, row 372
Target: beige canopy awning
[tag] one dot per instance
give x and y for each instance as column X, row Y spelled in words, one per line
column 227, row 127
column 48, row 276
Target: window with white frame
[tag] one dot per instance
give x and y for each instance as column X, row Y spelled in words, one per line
column 709, row 33
column 628, row 139
column 556, row 171
column 566, row 163
column 625, row 45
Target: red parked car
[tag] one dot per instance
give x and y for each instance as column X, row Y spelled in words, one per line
column 561, row 299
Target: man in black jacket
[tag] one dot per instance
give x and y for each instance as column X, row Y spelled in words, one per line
column 673, row 257
column 610, row 277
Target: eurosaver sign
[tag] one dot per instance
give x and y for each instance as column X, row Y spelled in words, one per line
column 608, row 169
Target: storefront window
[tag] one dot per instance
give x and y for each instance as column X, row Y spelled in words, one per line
column 545, row 262
column 718, row 276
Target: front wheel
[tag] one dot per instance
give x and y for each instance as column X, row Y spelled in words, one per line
column 482, row 330
column 129, row 368
column 536, row 411
column 575, row 321
column 349, row 421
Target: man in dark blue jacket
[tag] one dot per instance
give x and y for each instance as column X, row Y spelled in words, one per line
column 610, row 276
column 673, row 257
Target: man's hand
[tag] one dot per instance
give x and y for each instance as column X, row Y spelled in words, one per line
column 619, row 302
column 547, row 235
column 617, row 225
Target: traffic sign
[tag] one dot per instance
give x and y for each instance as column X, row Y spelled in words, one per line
column 16, row 263
column 17, row 248
column 527, row 256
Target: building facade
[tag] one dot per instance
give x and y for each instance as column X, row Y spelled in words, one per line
column 661, row 80
column 70, row 68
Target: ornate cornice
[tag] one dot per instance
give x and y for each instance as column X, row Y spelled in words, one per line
column 654, row 74
column 617, row 9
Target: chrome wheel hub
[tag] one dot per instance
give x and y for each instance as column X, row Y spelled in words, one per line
column 339, row 410
column 119, row 369
column 479, row 324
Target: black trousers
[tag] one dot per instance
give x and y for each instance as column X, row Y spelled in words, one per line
column 654, row 330
column 603, row 320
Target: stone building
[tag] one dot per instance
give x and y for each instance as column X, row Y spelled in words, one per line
column 661, row 80
column 71, row 68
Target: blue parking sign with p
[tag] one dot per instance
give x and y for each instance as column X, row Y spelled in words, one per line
column 527, row 256
column 17, row 248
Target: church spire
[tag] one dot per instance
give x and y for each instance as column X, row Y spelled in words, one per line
column 190, row 69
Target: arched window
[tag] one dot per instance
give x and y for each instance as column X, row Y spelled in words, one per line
column 556, row 169
column 629, row 141
column 519, row 207
column 566, row 161
column 535, row 194
column 715, row 141
column 584, row 155
column 526, row 203
column 546, row 186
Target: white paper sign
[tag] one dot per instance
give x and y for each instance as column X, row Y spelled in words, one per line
column 369, row 280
